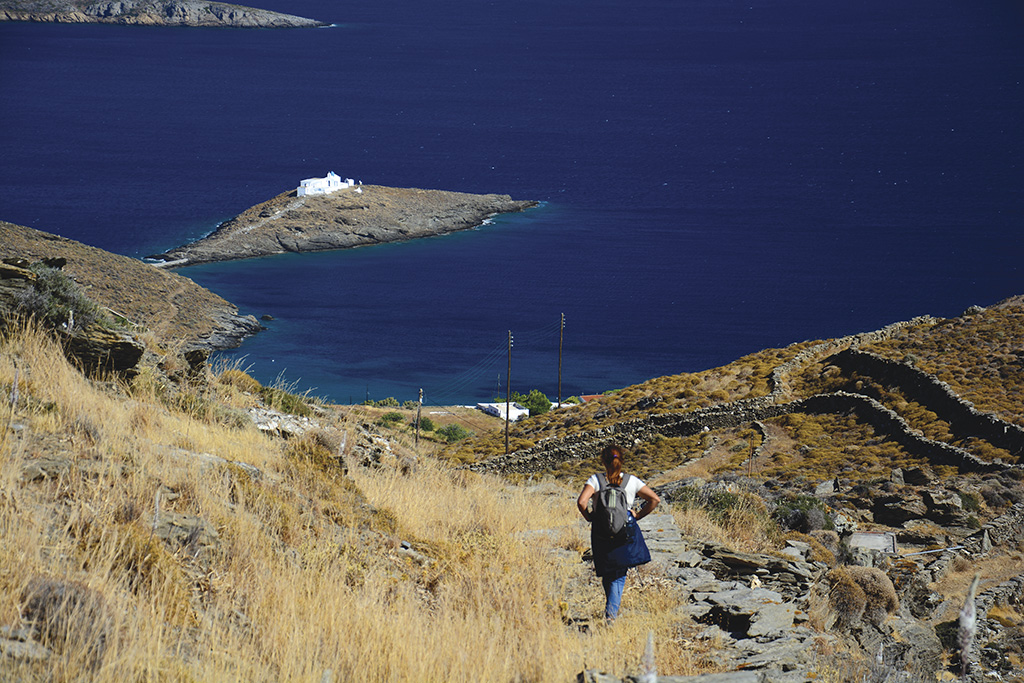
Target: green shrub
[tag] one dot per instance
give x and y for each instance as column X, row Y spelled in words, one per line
column 802, row 513
column 390, row 419
column 453, row 432
column 58, row 301
column 536, row 402
column 286, row 402
column 426, row 424
column 971, row 502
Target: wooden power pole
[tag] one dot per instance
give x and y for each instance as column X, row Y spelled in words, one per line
column 561, row 333
column 508, row 390
column 419, row 406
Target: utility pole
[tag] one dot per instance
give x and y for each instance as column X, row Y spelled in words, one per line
column 508, row 389
column 419, row 406
column 561, row 333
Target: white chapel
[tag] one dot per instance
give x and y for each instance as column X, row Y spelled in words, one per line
column 327, row 185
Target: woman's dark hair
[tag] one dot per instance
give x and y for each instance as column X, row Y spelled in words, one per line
column 612, row 457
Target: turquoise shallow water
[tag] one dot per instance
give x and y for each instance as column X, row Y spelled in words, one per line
column 717, row 177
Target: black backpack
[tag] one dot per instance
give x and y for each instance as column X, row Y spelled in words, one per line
column 611, row 511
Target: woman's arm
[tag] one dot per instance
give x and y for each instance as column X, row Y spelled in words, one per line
column 651, row 499
column 584, row 499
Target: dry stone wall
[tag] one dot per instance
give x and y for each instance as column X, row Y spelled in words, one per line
column 778, row 380
column 964, row 419
column 921, row 386
column 551, row 452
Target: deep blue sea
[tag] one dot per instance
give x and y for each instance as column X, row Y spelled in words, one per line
column 717, row 177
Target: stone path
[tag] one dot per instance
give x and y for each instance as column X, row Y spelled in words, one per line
column 759, row 626
column 664, row 538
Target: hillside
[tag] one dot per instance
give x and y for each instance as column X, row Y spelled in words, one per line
column 149, row 13
column 199, row 526
column 173, row 308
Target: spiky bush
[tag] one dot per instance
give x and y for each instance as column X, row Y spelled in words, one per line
column 57, row 301
column 802, row 513
column 846, row 598
column 879, row 593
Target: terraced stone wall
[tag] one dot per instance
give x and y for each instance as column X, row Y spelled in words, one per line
column 964, row 419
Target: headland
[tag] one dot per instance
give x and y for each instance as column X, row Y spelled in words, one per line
column 353, row 217
column 149, row 13
column 174, row 308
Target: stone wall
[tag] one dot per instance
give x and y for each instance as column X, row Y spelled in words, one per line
column 922, row 387
column 550, row 452
column 964, row 419
column 1008, row 528
column 887, row 423
column 777, row 381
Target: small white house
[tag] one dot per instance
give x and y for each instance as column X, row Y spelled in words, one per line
column 515, row 410
column 327, row 185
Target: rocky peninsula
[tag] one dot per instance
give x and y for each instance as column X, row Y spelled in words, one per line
column 149, row 13
column 354, row 217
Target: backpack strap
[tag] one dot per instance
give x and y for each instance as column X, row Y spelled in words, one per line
column 602, row 480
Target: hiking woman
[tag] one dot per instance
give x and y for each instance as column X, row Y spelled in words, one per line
column 614, row 555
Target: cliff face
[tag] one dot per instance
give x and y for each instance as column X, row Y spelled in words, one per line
column 149, row 13
column 343, row 219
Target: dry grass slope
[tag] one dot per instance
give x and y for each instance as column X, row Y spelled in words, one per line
column 189, row 567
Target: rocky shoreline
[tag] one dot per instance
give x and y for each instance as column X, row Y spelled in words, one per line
column 354, row 217
column 150, row 13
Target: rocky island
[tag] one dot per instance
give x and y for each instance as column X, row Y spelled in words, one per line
column 353, row 217
column 149, row 13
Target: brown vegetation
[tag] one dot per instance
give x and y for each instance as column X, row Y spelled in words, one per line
column 173, row 308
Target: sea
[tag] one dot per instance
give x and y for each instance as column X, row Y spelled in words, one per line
column 715, row 177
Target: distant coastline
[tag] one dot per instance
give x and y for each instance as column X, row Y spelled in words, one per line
column 354, row 217
column 150, row 13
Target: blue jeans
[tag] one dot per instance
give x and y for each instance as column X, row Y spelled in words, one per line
column 613, row 585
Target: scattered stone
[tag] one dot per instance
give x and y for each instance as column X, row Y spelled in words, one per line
column 406, row 550
column 180, row 530
column 893, row 510
column 944, row 506
column 919, row 476
column 798, row 550
column 67, row 613
column 39, row 469
column 281, row 424
column 825, row 488
column 23, row 650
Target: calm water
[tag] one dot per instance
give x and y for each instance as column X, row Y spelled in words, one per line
column 717, row 177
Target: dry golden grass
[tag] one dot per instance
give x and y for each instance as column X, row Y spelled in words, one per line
column 309, row 570
column 995, row 568
column 746, row 528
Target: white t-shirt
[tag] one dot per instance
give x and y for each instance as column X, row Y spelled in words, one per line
column 633, row 484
